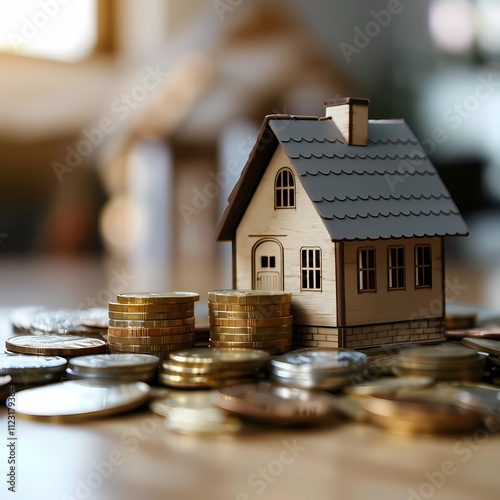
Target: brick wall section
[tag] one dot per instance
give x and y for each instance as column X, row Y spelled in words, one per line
column 418, row 331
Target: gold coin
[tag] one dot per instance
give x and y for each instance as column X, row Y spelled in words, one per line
column 150, row 308
column 150, row 332
column 257, row 314
column 488, row 332
column 181, row 369
column 220, row 357
column 265, row 309
column 157, row 297
column 160, row 323
column 411, row 414
column 485, row 345
column 252, row 337
column 157, row 339
column 284, row 321
column 251, row 329
column 200, row 381
column 151, row 316
column 55, row 345
column 148, row 349
column 254, row 345
column 248, row 297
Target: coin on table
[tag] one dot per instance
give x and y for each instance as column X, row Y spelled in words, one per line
column 248, row 297
column 203, row 381
column 22, row 317
column 97, row 317
column 223, row 357
column 192, row 412
column 118, row 307
column 255, row 345
column 55, row 345
column 388, row 385
column 114, row 365
column 487, row 332
column 276, row 405
column 484, row 345
column 28, row 370
column 413, row 414
column 60, row 322
column 81, row 399
column 157, row 297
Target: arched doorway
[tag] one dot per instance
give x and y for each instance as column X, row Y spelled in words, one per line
column 267, row 266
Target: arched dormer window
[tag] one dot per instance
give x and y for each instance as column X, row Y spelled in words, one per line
column 284, row 189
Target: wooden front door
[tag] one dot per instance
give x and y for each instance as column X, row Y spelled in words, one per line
column 268, row 266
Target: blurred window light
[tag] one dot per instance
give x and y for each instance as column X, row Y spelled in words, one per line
column 489, row 26
column 452, row 24
column 64, row 30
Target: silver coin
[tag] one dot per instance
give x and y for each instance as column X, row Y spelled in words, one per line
column 97, row 317
column 320, row 360
column 144, row 376
column 60, row 322
column 81, row 399
column 12, row 364
column 113, row 363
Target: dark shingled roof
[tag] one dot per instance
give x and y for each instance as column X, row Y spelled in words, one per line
column 388, row 189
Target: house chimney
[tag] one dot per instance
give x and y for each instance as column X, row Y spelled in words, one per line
column 350, row 115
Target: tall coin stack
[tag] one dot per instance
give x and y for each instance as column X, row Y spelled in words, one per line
column 254, row 319
column 152, row 323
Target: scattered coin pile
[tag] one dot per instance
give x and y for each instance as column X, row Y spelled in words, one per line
column 255, row 319
column 152, row 323
column 317, row 368
column 119, row 367
column 440, row 362
column 212, row 367
column 26, row 370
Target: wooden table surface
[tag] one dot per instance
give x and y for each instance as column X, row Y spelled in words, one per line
column 133, row 456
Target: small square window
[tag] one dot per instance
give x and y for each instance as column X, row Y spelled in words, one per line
column 264, row 261
column 272, row 261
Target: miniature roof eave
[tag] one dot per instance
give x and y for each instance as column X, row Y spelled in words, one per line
column 258, row 160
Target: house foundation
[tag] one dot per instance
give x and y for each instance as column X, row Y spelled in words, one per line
column 417, row 331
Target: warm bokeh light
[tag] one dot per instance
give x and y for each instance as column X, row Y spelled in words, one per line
column 452, row 24
column 55, row 29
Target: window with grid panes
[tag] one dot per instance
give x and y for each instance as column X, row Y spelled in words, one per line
column 423, row 266
column 396, row 268
column 284, row 189
column 310, row 268
column 366, row 270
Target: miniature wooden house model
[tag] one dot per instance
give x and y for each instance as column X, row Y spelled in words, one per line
column 349, row 215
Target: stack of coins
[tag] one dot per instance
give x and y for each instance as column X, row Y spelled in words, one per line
column 212, row 367
column 254, row 319
column 440, row 362
column 317, row 368
column 120, row 367
column 152, row 323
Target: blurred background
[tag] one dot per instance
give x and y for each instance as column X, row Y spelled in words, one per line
column 124, row 126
